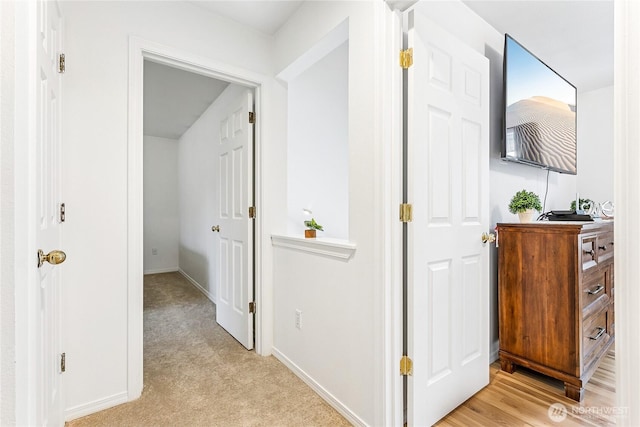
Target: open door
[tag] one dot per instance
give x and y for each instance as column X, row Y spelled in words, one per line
column 234, row 224
column 46, row 299
column 448, row 185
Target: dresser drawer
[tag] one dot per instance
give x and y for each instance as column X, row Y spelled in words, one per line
column 594, row 289
column 604, row 242
column 588, row 250
column 595, row 335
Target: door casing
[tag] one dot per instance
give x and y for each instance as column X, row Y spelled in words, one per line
column 139, row 50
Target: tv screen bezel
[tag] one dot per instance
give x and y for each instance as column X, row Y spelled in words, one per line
column 503, row 154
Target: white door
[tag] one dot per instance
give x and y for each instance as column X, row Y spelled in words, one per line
column 47, row 227
column 235, row 273
column 448, row 185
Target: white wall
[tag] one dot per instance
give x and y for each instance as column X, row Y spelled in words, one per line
column 199, row 179
column 318, row 146
column 338, row 349
column 7, row 215
column 95, row 177
column 161, row 221
column 595, row 144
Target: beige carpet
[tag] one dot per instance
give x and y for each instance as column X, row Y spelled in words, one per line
column 195, row 374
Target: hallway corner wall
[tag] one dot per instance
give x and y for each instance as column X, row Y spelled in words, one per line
column 161, row 222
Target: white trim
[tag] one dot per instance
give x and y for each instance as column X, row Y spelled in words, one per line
column 139, row 50
column 338, row 249
column 389, row 152
column 95, row 406
column 162, row 270
column 627, row 226
column 197, row 285
column 321, row 391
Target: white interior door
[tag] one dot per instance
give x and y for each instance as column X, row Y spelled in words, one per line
column 47, row 228
column 448, row 185
column 235, row 162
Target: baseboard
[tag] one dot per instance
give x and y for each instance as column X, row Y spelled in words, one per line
column 161, row 270
column 494, row 351
column 321, row 391
column 95, row 406
column 197, row 285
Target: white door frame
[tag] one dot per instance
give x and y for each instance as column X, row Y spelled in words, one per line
column 389, row 131
column 627, row 228
column 139, row 50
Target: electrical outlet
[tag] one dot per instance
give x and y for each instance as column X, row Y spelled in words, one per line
column 299, row 319
column 154, row 251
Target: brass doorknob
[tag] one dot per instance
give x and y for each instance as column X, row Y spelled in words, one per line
column 53, row 257
column 215, row 228
column 488, row 237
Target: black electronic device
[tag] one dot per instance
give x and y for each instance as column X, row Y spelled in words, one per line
column 569, row 212
column 567, row 216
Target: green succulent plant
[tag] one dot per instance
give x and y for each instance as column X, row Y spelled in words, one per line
column 313, row 225
column 524, row 200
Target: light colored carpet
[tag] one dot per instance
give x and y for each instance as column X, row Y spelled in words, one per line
column 196, row 374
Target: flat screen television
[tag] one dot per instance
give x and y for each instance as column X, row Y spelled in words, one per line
column 539, row 112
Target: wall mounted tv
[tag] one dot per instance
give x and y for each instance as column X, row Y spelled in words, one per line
column 539, row 114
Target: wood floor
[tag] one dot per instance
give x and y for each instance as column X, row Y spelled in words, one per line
column 524, row 398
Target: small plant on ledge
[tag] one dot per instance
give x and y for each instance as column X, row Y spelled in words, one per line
column 312, row 227
column 524, row 203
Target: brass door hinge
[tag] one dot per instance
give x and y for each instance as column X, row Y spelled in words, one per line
column 252, row 307
column 406, row 58
column 406, row 212
column 252, row 212
column 61, row 65
column 406, row 366
column 252, row 117
column 62, row 212
column 63, row 362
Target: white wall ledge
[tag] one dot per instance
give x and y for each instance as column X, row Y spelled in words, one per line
column 332, row 248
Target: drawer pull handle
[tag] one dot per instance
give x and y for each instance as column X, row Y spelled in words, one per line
column 603, row 247
column 591, row 252
column 598, row 335
column 596, row 291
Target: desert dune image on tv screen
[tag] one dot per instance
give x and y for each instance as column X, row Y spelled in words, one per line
column 540, row 112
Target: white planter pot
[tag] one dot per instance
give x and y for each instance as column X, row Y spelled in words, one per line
column 527, row 216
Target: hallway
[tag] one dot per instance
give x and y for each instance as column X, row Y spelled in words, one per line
column 195, row 374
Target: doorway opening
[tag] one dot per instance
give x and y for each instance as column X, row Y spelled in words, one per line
column 243, row 164
column 198, row 186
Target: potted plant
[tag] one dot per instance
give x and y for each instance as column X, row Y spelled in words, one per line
column 312, row 227
column 586, row 206
column 524, row 203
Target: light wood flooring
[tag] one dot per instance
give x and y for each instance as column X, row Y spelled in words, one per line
column 524, row 398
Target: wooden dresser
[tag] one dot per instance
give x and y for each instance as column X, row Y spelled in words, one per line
column 555, row 297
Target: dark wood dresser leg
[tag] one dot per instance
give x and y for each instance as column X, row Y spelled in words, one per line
column 573, row 392
column 507, row 365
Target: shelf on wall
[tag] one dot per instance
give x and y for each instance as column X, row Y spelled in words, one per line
column 333, row 248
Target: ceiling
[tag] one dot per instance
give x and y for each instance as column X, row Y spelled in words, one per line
column 266, row 16
column 574, row 37
column 174, row 99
